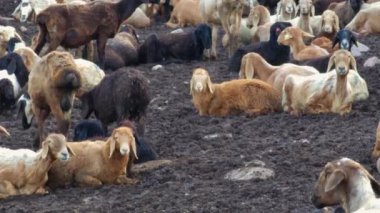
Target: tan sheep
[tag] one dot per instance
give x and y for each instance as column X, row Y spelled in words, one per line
column 53, row 82
column 96, row 162
column 24, row 171
column 138, row 19
column 347, row 183
column 293, row 37
column 366, row 21
column 255, row 66
column 252, row 97
column 29, row 57
column 184, row 14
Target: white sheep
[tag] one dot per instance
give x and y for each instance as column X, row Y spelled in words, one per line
column 347, row 183
column 333, row 91
column 24, row 171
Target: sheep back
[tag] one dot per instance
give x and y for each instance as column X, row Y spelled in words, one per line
column 90, row 74
column 121, row 95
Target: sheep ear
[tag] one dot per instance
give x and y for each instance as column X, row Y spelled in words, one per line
column 246, row 69
column 336, row 18
column 294, row 10
column 353, row 39
column 334, row 180
column 307, row 35
column 112, row 145
column 331, row 63
column 278, row 9
column 133, row 146
column 45, row 149
column 353, row 63
column 209, row 85
column 336, row 40
column 71, row 151
column 11, row 67
column 312, row 11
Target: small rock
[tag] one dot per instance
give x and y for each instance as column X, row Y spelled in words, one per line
column 177, row 31
column 157, row 67
column 23, row 29
column 249, row 173
column 371, row 62
column 217, row 135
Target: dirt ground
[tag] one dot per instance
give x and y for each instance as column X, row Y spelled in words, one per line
column 295, row 148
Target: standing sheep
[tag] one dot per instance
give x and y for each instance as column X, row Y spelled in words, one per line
column 53, row 82
column 121, row 95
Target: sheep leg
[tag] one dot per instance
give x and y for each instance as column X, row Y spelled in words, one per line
column 101, row 45
column 256, row 112
column 53, row 45
column 122, row 179
column 86, row 180
column 41, row 39
column 41, row 115
column 7, row 189
column 41, row 191
column 214, row 40
column 313, row 103
column 345, row 109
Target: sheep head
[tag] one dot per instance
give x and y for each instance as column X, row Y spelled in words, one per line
column 201, row 82
column 345, row 38
column 330, row 22
column 306, row 7
column 55, row 145
column 331, row 187
column 291, row 35
column 343, row 60
column 26, row 9
column 203, row 33
column 258, row 15
column 355, row 5
column 247, row 71
column 122, row 139
column 289, row 6
column 24, row 106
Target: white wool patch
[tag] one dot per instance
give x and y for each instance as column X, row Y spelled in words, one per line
column 28, row 108
column 10, row 157
column 16, row 86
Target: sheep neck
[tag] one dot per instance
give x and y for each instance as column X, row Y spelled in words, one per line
column 304, row 23
column 265, row 69
column 359, row 192
column 341, row 87
column 297, row 46
column 286, row 16
column 125, row 8
column 203, row 99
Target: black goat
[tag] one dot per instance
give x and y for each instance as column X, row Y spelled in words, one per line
column 184, row 46
column 271, row 51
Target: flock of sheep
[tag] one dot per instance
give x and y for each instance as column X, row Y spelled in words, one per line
column 297, row 60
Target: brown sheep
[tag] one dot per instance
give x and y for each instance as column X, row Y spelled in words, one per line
column 96, row 162
column 73, row 25
column 183, row 14
column 252, row 97
column 53, row 82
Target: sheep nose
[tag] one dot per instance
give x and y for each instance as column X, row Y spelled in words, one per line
column 327, row 29
column 249, row 25
column 65, row 156
column 344, row 44
column 341, row 70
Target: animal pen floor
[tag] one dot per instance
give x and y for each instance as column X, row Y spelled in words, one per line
column 204, row 149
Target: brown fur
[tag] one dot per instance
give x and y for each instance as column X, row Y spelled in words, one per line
column 259, row 23
column 30, row 179
column 376, row 148
column 46, row 90
column 184, row 14
column 138, row 19
column 252, row 97
column 96, row 162
column 325, row 43
column 29, row 57
column 293, row 37
column 255, row 66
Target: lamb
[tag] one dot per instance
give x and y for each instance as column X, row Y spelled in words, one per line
column 13, row 76
column 251, row 97
column 333, row 91
column 344, row 38
column 293, row 37
column 286, row 10
column 53, row 82
column 347, row 183
column 183, row 14
column 255, row 66
column 73, row 25
column 184, row 46
column 124, row 94
column 271, row 51
column 216, row 12
column 122, row 50
column 366, row 21
column 96, row 162
column 24, row 171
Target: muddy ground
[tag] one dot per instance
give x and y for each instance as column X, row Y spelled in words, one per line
column 295, row 148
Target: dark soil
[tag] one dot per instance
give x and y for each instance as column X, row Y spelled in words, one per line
column 295, row 148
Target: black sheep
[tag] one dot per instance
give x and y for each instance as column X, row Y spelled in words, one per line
column 344, row 38
column 271, row 51
column 14, row 64
column 124, row 94
column 184, row 46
